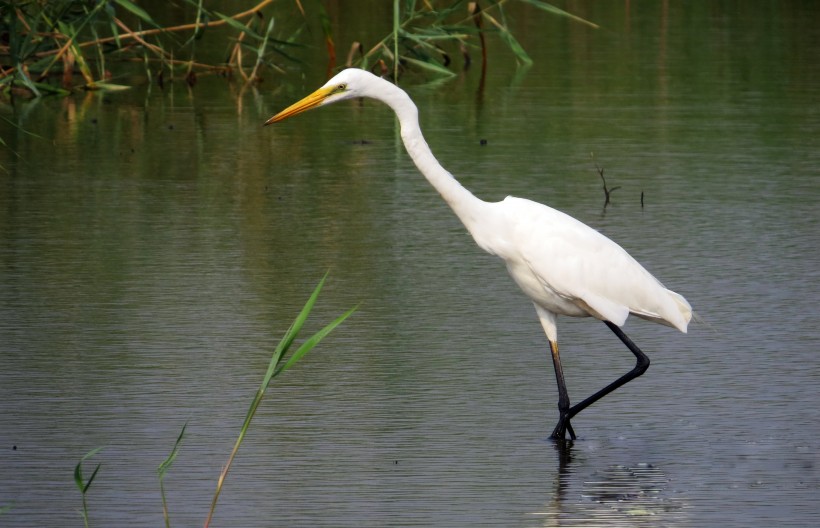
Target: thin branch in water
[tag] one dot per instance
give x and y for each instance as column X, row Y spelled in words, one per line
column 607, row 191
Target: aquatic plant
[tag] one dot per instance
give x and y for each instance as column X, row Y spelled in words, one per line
column 421, row 31
column 279, row 363
column 163, row 469
column 62, row 45
column 82, row 484
column 74, row 38
column 277, row 366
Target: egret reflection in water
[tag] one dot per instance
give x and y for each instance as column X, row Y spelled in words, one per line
column 613, row 496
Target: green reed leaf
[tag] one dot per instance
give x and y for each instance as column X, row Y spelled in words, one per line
column 560, row 12
column 314, row 340
column 431, row 66
column 136, row 10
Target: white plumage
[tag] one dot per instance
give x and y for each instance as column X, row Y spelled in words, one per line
column 564, row 266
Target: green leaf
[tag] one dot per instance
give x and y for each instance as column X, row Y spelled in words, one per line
column 166, row 464
column 239, row 26
column 78, row 470
column 292, row 332
column 557, row 11
column 137, row 10
column 48, row 88
column 109, row 87
column 283, row 346
column 94, row 474
column 425, row 38
column 260, row 52
column 432, row 66
column 314, row 340
column 20, row 73
column 511, row 41
column 439, row 35
column 324, row 19
column 19, row 128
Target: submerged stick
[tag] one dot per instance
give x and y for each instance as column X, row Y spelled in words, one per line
column 607, row 191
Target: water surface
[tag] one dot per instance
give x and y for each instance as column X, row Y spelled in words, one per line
column 154, row 246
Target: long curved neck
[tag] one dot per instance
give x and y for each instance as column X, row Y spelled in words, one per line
column 464, row 204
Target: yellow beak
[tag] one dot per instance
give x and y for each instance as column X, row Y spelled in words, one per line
column 312, row 100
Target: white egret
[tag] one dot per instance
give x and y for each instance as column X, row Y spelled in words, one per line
column 564, row 266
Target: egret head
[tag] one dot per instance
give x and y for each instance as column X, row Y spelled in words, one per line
column 347, row 84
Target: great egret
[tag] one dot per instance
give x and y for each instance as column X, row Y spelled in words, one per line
column 564, row 266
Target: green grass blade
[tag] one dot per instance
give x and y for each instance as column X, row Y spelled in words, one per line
column 239, row 26
column 80, row 482
column 324, row 20
column 314, row 340
column 136, row 10
column 511, row 41
column 557, row 11
column 432, row 66
column 163, row 469
column 281, row 349
column 396, row 27
column 110, row 87
column 20, row 72
column 424, row 36
column 90, row 480
column 260, row 52
column 166, row 464
column 293, row 331
column 78, row 476
column 78, row 469
column 46, row 88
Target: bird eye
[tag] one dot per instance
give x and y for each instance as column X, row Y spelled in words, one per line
column 341, row 88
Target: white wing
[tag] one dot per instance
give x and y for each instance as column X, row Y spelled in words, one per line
column 569, row 268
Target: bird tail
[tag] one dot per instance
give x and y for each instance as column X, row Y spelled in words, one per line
column 685, row 310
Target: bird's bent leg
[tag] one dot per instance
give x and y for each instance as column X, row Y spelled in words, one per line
column 563, row 426
column 641, row 364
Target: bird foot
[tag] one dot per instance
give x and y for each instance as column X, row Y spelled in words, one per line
column 561, row 430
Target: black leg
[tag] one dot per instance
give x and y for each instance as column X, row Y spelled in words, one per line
column 567, row 412
column 563, row 426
